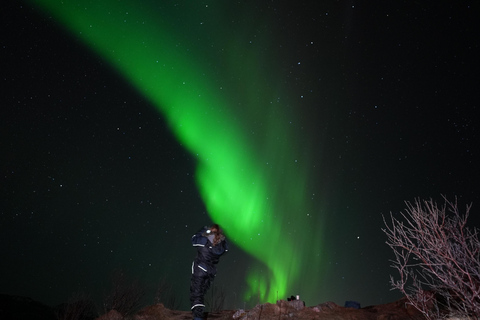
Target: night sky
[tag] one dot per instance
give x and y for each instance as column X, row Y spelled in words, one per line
column 296, row 126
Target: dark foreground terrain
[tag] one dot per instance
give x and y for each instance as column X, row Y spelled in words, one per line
column 398, row 310
column 21, row 308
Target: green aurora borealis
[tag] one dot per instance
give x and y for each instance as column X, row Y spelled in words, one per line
column 220, row 94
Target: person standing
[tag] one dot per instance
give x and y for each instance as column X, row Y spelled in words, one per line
column 211, row 245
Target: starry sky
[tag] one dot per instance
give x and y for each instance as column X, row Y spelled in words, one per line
column 126, row 127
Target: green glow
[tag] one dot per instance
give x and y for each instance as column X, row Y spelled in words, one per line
column 252, row 178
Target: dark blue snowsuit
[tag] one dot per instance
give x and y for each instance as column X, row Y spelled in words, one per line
column 203, row 268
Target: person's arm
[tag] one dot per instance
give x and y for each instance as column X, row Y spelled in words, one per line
column 225, row 245
column 198, row 240
column 220, row 248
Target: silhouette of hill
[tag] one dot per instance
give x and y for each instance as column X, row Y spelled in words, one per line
column 23, row 308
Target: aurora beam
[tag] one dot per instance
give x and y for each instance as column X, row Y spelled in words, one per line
column 249, row 172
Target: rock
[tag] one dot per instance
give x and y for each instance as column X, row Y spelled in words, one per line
column 240, row 314
column 297, row 304
column 111, row 315
column 154, row 312
column 329, row 305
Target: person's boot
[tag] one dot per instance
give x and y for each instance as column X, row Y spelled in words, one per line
column 198, row 312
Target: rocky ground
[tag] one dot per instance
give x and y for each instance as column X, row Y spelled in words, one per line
column 398, row 310
column 22, row 308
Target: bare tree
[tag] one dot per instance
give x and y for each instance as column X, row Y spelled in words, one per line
column 166, row 294
column 79, row 307
column 125, row 296
column 216, row 299
column 437, row 258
